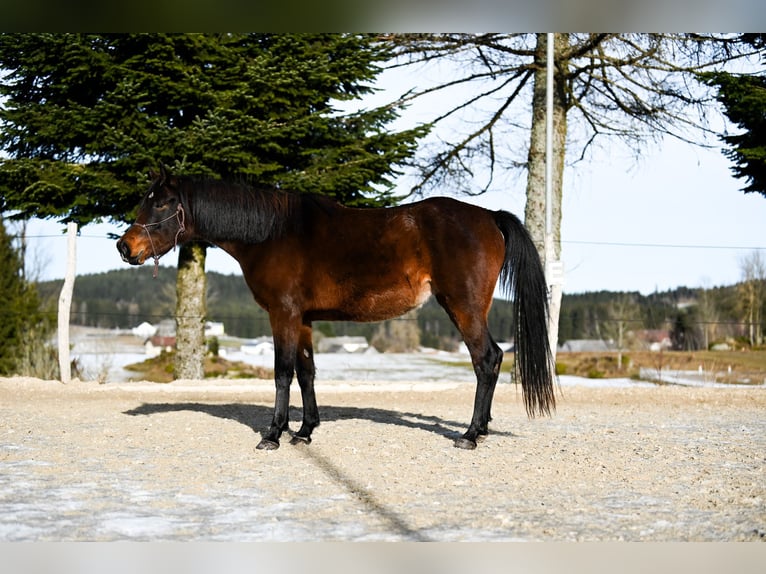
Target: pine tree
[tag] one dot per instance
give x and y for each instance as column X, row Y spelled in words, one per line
column 21, row 315
column 744, row 99
column 87, row 116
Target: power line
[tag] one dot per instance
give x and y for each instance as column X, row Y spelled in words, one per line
column 663, row 245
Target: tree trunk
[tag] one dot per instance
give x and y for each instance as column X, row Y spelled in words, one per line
column 534, row 215
column 191, row 310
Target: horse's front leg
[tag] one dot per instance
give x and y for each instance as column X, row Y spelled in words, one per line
column 285, row 346
column 304, row 367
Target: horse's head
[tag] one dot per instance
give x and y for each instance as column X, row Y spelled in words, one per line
column 160, row 224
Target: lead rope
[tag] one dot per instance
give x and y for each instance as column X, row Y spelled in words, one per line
column 180, row 215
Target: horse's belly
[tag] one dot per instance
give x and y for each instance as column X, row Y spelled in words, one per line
column 384, row 301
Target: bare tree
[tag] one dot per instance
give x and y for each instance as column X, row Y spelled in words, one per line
column 631, row 87
column 623, row 313
column 707, row 312
column 399, row 335
column 752, row 291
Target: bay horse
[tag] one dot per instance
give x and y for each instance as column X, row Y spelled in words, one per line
column 307, row 258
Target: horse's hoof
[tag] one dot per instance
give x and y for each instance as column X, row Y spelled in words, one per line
column 300, row 440
column 465, row 443
column 297, row 439
column 267, row 444
column 481, row 437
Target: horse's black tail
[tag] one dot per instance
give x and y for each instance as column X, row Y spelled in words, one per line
column 522, row 276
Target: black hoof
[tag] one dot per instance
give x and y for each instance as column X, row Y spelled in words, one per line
column 465, row 443
column 267, row 444
column 300, row 440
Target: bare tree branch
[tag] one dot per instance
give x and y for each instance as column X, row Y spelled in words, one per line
column 634, row 87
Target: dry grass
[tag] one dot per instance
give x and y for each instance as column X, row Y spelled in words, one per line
column 161, row 369
column 726, row 366
column 729, row 366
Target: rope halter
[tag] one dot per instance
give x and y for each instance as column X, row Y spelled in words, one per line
column 180, row 215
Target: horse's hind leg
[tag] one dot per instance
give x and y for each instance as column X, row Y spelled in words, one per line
column 486, row 357
column 304, row 367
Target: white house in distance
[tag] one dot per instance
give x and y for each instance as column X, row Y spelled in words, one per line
column 259, row 346
column 342, row 345
column 214, row 329
column 144, row 330
column 163, row 336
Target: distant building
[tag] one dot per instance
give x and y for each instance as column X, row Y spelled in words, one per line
column 156, row 344
column 259, row 346
column 586, row 346
column 166, row 328
column 654, row 339
column 144, row 330
column 163, row 336
column 214, row 329
column 342, row 345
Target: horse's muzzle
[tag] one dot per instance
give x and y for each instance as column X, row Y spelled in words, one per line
column 124, row 249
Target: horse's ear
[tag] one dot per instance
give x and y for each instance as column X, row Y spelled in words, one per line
column 161, row 176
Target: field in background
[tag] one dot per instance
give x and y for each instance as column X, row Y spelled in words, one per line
column 741, row 367
column 104, row 354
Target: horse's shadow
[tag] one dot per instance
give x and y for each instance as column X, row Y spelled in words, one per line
column 258, row 417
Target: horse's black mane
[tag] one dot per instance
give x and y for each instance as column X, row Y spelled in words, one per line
column 224, row 211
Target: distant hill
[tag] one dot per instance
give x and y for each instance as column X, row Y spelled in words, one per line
column 126, row 297
column 695, row 318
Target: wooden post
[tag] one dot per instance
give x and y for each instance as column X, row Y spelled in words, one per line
column 65, row 304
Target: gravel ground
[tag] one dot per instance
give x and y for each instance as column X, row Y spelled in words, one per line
column 143, row 461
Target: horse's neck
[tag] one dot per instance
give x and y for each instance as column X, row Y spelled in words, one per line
column 249, row 216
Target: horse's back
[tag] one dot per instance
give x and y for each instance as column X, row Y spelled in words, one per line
column 372, row 264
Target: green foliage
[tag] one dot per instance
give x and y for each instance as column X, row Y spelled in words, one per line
column 744, row 101
column 685, row 333
column 743, row 97
column 86, row 116
column 213, row 346
column 24, row 329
